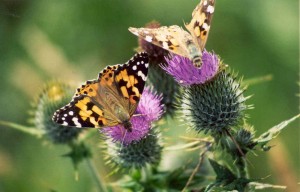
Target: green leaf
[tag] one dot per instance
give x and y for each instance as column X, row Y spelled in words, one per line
column 238, row 185
column 258, row 186
column 162, row 181
column 272, row 133
column 78, row 153
column 226, row 180
column 219, row 189
column 223, row 173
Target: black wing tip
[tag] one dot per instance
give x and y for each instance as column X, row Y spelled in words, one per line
column 144, row 56
column 54, row 117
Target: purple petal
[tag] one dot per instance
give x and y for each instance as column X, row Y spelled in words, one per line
column 185, row 73
column 148, row 110
column 150, row 105
column 140, row 128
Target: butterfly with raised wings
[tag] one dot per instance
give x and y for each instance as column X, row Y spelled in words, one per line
column 109, row 100
column 177, row 40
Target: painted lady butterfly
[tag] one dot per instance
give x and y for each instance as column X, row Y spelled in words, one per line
column 179, row 41
column 109, row 100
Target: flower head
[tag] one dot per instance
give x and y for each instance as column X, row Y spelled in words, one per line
column 53, row 96
column 148, row 110
column 136, row 155
column 215, row 106
column 185, row 73
column 150, row 105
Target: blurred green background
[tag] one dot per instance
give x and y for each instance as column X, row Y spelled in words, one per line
column 41, row 40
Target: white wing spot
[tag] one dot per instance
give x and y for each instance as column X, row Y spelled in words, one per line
column 165, row 45
column 148, row 38
column 205, row 3
column 63, row 118
column 205, row 26
column 142, row 62
column 75, row 120
column 210, row 9
column 142, row 75
column 65, row 115
column 134, row 67
column 147, row 64
column 138, row 63
column 71, row 113
column 65, row 123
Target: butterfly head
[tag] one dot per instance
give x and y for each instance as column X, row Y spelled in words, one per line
column 127, row 125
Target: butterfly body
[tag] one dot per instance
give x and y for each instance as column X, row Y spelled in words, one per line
column 194, row 54
column 176, row 40
column 109, row 100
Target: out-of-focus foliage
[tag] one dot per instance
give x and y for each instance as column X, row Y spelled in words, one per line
column 72, row 40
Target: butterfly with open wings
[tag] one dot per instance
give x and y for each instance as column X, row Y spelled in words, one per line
column 109, row 100
column 177, row 40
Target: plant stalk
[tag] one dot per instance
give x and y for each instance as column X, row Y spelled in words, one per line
column 96, row 176
column 24, row 129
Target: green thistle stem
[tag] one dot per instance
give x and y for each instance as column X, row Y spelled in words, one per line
column 241, row 165
column 28, row 130
column 96, row 175
column 200, row 162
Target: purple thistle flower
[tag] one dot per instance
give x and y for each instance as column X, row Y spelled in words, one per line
column 150, row 105
column 185, row 73
column 149, row 109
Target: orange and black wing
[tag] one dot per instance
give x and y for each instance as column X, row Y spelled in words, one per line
column 172, row 38
column 87, row 109
column 130, row 80
column 117, row 87
column 201, row 21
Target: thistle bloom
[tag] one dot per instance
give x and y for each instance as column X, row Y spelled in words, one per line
column 212, row 99
column 148, row 110
column 184, row 72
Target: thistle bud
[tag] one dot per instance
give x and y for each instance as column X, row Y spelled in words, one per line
column 215, row 105
column 135, row 155
column 54, row 96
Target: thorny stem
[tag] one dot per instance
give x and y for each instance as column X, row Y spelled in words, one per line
column 96, row 175
column 242, row 160
column 242, row 168
column 200, row 162
column 30, row 130
column 235, row 143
